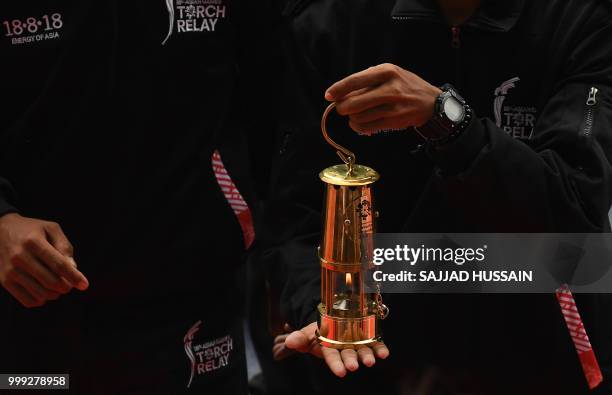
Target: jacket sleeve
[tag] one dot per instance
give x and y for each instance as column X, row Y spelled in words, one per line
column 560, row 181
column 7, row 198
column 291, row 224
column 245, row 139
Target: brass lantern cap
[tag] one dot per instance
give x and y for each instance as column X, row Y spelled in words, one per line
column 359, row 176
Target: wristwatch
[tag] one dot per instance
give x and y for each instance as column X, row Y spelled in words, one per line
column 451, row 117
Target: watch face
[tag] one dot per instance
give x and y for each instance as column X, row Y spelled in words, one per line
column 453, row 110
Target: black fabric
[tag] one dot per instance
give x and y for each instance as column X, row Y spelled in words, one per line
column 109, row 130
column 528, row 167
column 287, row 377
column 6, row 198
column 493, row 15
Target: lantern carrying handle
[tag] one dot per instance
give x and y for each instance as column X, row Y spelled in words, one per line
column 347, row 156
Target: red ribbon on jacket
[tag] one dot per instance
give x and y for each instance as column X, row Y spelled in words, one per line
column 234, row 199
column 590, row 367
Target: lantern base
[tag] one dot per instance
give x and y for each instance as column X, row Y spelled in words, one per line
column 342, row 332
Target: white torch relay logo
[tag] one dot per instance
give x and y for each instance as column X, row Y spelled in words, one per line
column 187, row 16
column 188, row 339
column 517, row 120
column 170, row 6
column 500, row 95
column 206, row 357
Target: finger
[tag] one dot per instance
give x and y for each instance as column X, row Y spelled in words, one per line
column 280, row 339
column 301, row 340
column 363, row 79
column 276, row 346
column 280, row 352
column 298, row 341
column 349, row 357
column 84, row 283
column 22, row 296
column 66, row 286
column 34, row 287
column 366, row 356
column 373, row 114
column 359, row 92
column 380, row 350
column 61, row 265
column 60, row 242
column 58, row 239
column 334, row 361
column 26, row 262
column 287, row 327
column 362, row 102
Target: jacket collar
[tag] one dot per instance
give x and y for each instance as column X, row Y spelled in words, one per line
column 493, row 15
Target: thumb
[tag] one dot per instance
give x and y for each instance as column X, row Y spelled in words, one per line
column 58, row 239
column 297, row 340
column 304, row 340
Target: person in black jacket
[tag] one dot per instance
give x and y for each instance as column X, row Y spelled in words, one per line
column 120, row 121
column 523, row 144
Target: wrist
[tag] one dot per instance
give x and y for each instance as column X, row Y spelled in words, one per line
column 458, row 155
column 8, row 215
column 432, row 94
column 450, row 117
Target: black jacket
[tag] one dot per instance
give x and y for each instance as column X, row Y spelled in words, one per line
column 531, row 161
column 113, row 111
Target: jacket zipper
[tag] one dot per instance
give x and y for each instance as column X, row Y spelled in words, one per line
column 456, row 37
column 455, row 41
column 589, row 112
column 456, row 45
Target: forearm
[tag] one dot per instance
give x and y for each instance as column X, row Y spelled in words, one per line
column 560, row 180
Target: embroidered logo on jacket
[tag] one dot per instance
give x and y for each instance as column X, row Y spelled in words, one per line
column 517, row 121
column 188, row 16
column 32, row 28
column 208, row 356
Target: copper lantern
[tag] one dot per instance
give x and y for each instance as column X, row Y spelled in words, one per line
column 351, row 306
